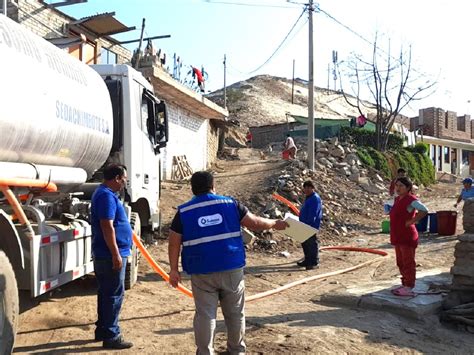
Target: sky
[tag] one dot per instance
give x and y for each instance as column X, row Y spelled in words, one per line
column 249, row 31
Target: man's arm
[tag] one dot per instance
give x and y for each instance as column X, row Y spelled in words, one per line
column 459, row 200
column 108, row 230
column 174, row 249
column 257, row 224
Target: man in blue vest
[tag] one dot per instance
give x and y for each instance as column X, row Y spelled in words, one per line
column 311, row 214
column 111, row 244
column 208, row 229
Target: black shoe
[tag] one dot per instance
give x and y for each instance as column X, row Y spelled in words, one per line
column 117, row 343
column 311, row 267
column 98, row 335
column 301, row 263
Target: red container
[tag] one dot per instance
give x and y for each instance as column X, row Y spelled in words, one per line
column 285, row 155
column 447, row 222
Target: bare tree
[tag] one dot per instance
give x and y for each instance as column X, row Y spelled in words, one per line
column 392, row 85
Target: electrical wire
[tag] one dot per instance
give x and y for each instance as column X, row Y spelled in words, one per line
column 365, row 39
column 280, row 45
column 247, row 4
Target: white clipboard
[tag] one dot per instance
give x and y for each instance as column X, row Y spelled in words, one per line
column 297, row 230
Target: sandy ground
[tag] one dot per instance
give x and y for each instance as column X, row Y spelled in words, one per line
column 158, row 319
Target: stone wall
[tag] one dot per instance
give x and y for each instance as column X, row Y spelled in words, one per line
column 459, row 304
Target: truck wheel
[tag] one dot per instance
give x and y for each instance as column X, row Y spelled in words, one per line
column 131, row 272
column 8, row 305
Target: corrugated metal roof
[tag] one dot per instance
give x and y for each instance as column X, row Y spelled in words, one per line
column 104, row 24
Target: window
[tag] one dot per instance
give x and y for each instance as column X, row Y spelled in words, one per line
column 446, row 122
column 446, row 154
column 465, row 157
column 107, row 57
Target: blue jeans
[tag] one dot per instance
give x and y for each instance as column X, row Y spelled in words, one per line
column 111, row 289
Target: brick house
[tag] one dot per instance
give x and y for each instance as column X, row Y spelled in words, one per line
column 450, row 137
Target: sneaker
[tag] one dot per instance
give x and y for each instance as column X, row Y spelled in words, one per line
column 117, row 343
column 311, row 267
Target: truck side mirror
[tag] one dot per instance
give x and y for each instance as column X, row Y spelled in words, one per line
column 161, row 133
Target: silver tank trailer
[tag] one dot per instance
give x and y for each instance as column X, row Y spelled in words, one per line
column 54, row 110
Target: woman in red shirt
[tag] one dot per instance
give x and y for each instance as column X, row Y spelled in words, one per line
column 405, row 213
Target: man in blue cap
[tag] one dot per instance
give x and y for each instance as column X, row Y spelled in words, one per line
column 466, row 192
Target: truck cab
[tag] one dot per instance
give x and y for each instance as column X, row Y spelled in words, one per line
column 140, row 131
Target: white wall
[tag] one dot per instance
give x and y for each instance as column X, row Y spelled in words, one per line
column 187, row 136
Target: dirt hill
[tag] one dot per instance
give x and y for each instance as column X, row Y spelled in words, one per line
column 266, row 99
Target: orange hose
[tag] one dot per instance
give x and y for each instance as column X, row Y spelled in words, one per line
column 18, row 182
column 16, row 206
column 307, row 279
column 157, row 267
column 286, row 202
column 260, row 295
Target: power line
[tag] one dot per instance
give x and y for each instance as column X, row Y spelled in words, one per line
column 248, row 4
column 365, row 39
column 281, row 44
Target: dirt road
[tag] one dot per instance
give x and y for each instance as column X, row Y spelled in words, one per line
column 159, row 320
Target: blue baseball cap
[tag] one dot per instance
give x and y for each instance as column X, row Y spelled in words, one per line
column 467, row 180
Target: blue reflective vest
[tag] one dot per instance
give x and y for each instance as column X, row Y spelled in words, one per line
column 212, row 239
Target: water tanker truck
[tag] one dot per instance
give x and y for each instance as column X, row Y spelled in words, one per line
column 61, row 123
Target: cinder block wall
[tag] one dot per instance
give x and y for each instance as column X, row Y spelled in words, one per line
column 188, row 135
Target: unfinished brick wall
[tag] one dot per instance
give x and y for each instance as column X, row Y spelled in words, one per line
column 50, row 23
column 444, row 124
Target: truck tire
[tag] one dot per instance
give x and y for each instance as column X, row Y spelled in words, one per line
column 131, row 272
column 8, row 305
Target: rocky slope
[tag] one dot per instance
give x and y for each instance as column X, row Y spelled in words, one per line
column 265, row 99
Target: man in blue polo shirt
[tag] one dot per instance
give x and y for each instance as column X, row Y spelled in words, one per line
column 111, row 244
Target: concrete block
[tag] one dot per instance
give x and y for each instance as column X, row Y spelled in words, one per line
column 376, row 295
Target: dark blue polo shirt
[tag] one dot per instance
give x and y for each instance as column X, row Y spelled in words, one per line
column 106, row 205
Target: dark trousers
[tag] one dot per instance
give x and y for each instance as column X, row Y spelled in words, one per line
column 111, row 289
column 311, row 250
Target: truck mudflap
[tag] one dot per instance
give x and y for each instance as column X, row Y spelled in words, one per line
column 59, row 257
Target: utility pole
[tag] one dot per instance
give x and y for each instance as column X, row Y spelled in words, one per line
column 225, row 87
column 311, row 91
column 140, row 45
column 5, row 8
column 293, row 85
column 329, row 71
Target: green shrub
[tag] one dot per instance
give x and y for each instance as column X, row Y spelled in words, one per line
column 365, row 157
column 418, row 166
column 381, row 162
column 365, row 138
column 420, row 148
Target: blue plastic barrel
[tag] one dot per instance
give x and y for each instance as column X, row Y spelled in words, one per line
column 433, row 222
column 422, row 225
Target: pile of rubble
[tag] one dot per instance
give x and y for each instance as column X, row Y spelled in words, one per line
column 459, row 304
column 352, row 195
